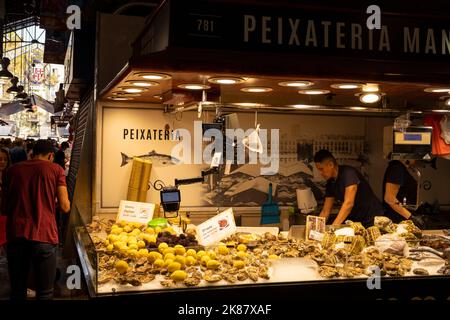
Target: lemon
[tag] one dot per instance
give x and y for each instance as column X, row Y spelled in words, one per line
column 167, row 262
column 179, row 249
column 180, row 259
column 110, row 247
column 242, row 247
column 223, row 250
column 168, row 250
column 132, row 239
column 191, row 253
column 127, row 228
column 178, row 275
column 135, row 232
column 174, row 266
column 241, row 254
column 106, row 242
column 118, row 244
column 141, row 244
column 151, row 239
column 273, row 256
column 190, row 261
column 162, row 246
column 211, row 254
column 159, row 263
column 132, row 252
column 238, row 264
column 157, row 230
column 121, row 266
column 123, row 238
column 204, row 260
column 213, row 264
column 200, row 253
column 169, row 255
column 150, row 230
column 113, row 238
column 143, row 252
column 122, row 223
column 133, row 246
column 124, row 249
column 153, row 255
column 114, row 226
column 116, row 230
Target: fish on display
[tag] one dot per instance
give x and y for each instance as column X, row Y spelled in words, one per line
column 158, row 159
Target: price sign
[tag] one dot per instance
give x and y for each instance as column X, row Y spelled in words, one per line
column 217, row 228
column 130, row 211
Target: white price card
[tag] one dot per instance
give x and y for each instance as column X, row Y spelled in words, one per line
column 130, row 211
column 217, row 228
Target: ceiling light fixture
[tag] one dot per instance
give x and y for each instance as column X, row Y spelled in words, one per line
column 133, row 90
column 314, row 91
column 304, row 106
column 257, row 89
column 447, row 102
column 358, row 108
column 153, row 75
column 117, row 98
column 437, row 90
column 14, row 87
column 226, row 80
column 441, row 110
column 141, row 83
column 370, row 87
column 369, row 97
column 249, row 104
column 4, row 73
column 346, row 85
column 296, row 83
column 194, row 86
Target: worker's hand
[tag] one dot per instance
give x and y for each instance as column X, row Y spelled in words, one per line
column 418, row 221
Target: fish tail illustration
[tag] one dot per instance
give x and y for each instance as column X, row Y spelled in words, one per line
column 125, row 159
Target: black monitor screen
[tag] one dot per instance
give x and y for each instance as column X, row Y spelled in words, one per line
column 171, row 196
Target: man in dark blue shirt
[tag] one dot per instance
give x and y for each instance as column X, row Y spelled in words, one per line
column 347, row 185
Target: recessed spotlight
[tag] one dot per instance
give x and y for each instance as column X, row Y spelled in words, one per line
column 133, row 89
column 194, row 86
column 346, row 85
column 153, row 75
column 369, row 97
column 304, row 106
column 447, row 102
column 226, row 80
column 437, row 90
column 358, row 108
column 257, row 89
column 249, row 104
column 314, row 91
column 141, row 83
column 296, row 83
column 370, row 87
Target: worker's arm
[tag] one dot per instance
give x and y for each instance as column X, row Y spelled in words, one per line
column 390, row 197
column 327, row 206
column 346, row 208
column 63, row 198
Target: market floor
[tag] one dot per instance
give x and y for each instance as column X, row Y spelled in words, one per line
column 61, row 291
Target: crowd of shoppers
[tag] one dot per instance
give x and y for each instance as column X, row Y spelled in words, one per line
column 33, row 189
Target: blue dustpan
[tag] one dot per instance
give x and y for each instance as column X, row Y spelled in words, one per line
column 270, row 213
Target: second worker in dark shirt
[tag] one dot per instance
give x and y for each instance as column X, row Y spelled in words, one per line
column 348, row 186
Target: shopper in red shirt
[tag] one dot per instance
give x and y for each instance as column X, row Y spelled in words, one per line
column 30, row 190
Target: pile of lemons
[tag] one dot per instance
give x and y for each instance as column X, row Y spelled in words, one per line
column 131, row 239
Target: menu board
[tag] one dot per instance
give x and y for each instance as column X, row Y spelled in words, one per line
column 131, row 211
column 217, row 228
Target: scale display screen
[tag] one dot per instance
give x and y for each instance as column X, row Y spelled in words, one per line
column 412, row 138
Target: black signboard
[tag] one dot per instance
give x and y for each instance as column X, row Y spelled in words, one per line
column 273, row 28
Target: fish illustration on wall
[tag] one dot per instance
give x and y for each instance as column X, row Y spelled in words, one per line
column 157, row 159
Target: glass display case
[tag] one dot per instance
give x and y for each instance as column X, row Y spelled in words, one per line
column 256, row 259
